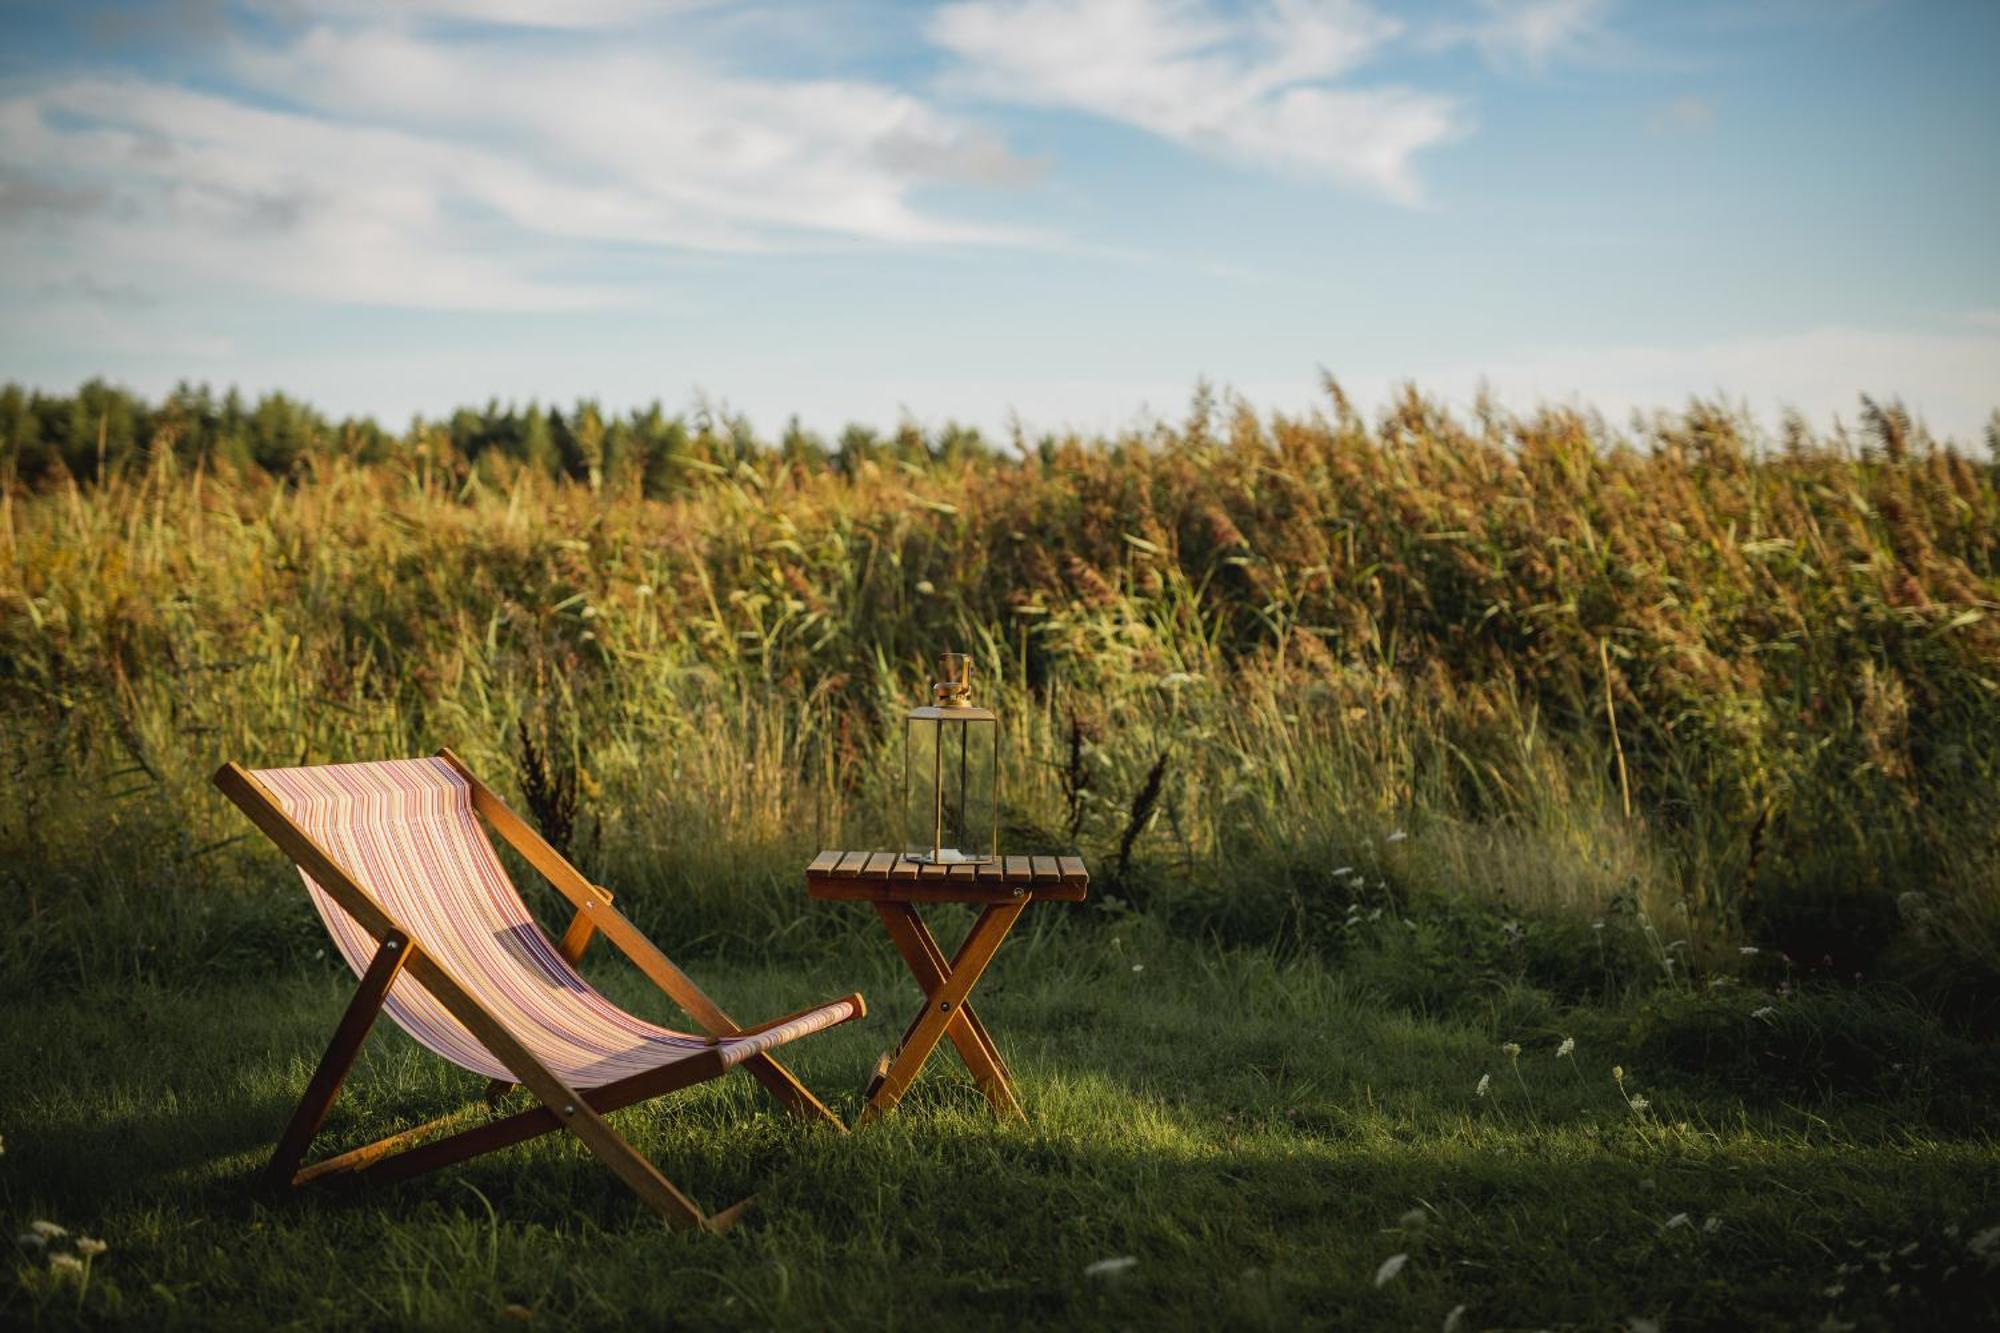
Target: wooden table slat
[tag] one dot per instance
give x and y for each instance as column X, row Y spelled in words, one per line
column 891, row 877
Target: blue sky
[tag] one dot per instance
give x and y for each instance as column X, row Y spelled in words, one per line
column 1061, row 211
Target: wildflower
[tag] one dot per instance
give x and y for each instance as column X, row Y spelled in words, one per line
column 1512, row 1050
column 1173, row 680
column 1618, row 1075
column 1485, row 1082
column 1677, row 1220
column 1986, row 1244
column 1390, row 1267
column 926, row 587
column 1124, row 1263
column 1568, row 1048
column 1138, row 967
column 1712, row 1225
column 48, row 1230
column 1342, row 872
column 1747, row 950
column 1597, row 925
column 1454, row 1321
column 1416, row 1217
column 1638, row 1103
column 1397, row 836
column 643, row 590
column 1765, row 1012
column 28, row 1240
column 90, row 1246
column 65, row 1265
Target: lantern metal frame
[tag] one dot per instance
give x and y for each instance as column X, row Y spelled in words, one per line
column 953, row 706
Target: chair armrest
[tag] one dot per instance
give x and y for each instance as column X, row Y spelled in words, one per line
column 855, row 999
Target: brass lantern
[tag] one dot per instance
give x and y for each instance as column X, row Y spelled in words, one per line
column 951, row 774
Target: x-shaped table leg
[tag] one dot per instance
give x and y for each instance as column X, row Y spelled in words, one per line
column 946, row 1012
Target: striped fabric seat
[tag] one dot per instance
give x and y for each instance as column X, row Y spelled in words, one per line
column 406, row 831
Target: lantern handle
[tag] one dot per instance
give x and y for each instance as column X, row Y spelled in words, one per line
column 953, row 688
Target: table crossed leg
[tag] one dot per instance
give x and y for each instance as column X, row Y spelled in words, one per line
column 946, row 1012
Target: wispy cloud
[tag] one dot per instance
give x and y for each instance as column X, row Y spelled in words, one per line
column 373, row 161
column 1264, row 86
column 1683, row 115
column 1526, row 34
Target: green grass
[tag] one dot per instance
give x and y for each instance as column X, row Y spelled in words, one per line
column 1259, row 1134
column 1693, row 736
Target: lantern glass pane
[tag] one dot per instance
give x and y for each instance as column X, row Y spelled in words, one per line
column 949, row 788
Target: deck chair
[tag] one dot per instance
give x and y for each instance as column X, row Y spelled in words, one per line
column 394, row 858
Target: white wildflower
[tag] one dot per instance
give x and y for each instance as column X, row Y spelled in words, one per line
column 1138, row 967
column 1986, row 1244
column 926, row 587
column 1397, row 836
column 1640, row 1103
column 1597, row 925
column 1765, row 1012
column 1415, row 1217
column 1485, row 1082
column 1124, row 1263
column 1342, row 872
column 47, row 1230
column 1511, row 1049
column 1567, row 1048
column 1712, row 1225
column 1747, row 950
column 65, row 1265
column 1173, row 680
column 1454, row 1321
column 1678, row 1220
column 90, row 1246
column 1390, row 1267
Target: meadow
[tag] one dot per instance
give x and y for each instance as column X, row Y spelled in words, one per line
column 1565, row 857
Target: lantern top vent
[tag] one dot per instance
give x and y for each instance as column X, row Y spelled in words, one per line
column 952, row 691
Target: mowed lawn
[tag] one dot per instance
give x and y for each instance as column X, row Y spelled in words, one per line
column 1255, row 1140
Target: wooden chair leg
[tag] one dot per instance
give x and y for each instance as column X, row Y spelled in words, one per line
column 325, row 1083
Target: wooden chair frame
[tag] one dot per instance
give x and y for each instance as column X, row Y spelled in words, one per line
column 560, row 1107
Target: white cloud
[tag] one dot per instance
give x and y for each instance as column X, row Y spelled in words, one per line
column 1257, row 87
column 1683, row 115
column 1526, row 34
column 377, row 164
column 567, row 14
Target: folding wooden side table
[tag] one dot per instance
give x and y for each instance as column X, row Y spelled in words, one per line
column 896, row 885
